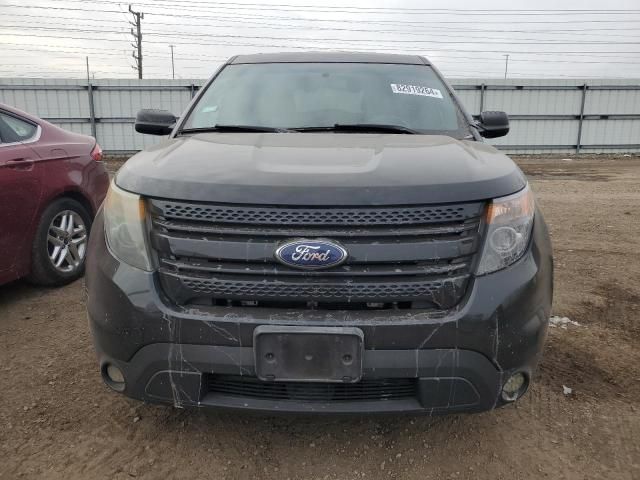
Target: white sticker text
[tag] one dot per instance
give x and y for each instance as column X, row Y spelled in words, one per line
column 416, row 90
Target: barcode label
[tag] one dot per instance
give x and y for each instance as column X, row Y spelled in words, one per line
column 415, row 90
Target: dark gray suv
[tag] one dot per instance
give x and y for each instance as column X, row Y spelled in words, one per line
column 321, row 232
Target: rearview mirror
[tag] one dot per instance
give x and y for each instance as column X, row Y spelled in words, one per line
column 493, row 124
column 155, row 122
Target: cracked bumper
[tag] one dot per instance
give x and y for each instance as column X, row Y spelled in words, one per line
column 458, row 361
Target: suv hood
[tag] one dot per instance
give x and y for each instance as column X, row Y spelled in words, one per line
column 321, row 169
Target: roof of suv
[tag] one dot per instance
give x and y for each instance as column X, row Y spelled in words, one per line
column 329, row 57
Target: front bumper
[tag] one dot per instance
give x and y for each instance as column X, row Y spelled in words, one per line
column 458, row 361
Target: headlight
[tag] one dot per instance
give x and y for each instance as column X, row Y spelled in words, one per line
column 124, row 227
column 509, row 222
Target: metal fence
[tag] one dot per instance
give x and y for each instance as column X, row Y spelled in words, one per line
column 547, row 116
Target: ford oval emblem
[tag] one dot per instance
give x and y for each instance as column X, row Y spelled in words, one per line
column 311, row 254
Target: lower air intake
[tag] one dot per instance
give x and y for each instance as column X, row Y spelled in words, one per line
column 251, row 387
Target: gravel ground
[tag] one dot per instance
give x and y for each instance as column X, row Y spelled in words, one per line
column 58, row 421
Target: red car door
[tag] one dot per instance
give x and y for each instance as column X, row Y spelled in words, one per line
column 20, row 191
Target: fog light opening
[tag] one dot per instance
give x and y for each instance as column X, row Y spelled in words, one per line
column 113, row 377
column 514, row 387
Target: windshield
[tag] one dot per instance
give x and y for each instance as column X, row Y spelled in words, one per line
column 316, row 95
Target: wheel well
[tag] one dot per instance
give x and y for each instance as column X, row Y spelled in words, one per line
column 78, row 197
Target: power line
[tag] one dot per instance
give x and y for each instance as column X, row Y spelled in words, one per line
column 324, row 39
column 372, row 10
column 54, row 27
column 190, row 15
column 259, row 25
column 413, row 42
column 315, row 47
column 209, row 58
column 445, row 59
column 219, row 18
column 96, row 53
column 223, row 22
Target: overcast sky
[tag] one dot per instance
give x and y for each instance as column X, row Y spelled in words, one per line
column 464, row 38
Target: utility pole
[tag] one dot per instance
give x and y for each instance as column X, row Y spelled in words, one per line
column 173, row 69
column 87, row 70
column 506, row 64
column 137, row 37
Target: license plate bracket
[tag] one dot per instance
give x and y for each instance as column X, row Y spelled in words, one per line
column 308, row 354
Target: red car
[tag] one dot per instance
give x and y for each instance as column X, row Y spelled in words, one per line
column 51, row 185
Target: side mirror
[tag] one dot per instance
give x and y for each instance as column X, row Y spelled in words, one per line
column 493, row 124
column 155, row 122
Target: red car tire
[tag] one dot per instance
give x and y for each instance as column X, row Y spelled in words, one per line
column 60, row 244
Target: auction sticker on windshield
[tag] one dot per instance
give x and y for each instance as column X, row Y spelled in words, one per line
column 416, row 90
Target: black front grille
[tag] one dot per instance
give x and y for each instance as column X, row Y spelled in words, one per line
column 398, row 257
column 316, row 216
column 251, row 387
column 369, row 291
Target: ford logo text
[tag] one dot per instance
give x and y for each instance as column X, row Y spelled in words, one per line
column 311, row 254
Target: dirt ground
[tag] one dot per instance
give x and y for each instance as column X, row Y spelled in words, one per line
column 58, row 421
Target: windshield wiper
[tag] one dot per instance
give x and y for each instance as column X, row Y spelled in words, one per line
column 359, row 127
column 234, row 128
column 354, row 127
